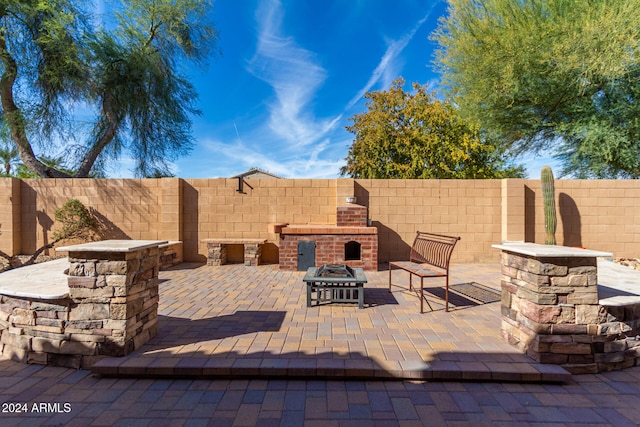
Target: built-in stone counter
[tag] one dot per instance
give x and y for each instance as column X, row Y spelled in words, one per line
column 552, row 310
column 108, row 307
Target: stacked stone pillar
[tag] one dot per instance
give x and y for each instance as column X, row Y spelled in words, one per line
column 550, row 305
column 113, row 286
column 252, row 254
column 216, row 254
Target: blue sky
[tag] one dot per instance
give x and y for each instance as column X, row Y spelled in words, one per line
column 290, row 75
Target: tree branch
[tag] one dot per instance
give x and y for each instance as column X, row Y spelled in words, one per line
column 14, row 116
column 104, row 140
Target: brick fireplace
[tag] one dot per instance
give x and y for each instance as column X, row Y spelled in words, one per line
column 350, row 241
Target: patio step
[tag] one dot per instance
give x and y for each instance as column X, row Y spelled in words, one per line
column 337, row 369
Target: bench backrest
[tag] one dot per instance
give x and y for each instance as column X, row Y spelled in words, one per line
column 434, row 249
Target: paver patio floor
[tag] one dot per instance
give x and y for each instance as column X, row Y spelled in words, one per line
column 238, row 321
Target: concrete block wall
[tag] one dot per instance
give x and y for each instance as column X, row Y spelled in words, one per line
column 596, row 214
column 126, row 208
column 10, row 223
column 213, row 208
column 467, row 208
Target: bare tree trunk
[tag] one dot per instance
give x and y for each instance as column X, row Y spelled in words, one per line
column 103, row 141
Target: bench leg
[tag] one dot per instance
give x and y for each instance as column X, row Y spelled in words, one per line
column 309, row 294
column 360, row 296
column 421, row 295
column 446, row 295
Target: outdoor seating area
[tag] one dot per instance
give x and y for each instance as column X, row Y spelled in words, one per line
column 505, row 321
column 429, row 258
column 293, row 225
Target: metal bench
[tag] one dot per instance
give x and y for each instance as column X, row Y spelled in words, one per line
column 430, row 256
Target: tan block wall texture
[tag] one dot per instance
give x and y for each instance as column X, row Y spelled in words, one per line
column 214, row 208
column 470, row 209
column 126, row 208
column 595, row 214
column 602, row 215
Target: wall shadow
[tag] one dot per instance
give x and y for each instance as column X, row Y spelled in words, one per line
column 29, row 228
column 270, row 253
column 106, row 228
column 529, row 215
column 190, row 224
column 46, row 223
column 174, row 331
column 391, row 246
column 571, row 221
column 361, row 194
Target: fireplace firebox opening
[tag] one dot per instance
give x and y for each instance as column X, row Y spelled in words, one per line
column 352, row 251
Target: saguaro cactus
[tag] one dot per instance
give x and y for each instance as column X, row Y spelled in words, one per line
column 549, row 199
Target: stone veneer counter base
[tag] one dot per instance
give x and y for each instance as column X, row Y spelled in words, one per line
column 557, row 308
column 109, row 306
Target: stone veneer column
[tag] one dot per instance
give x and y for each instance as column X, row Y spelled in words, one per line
column 550, row 297
column 114, row 288
column 216, row 254
column 252, row 254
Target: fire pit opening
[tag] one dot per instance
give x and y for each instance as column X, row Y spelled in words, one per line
column 335, row 270
column 352, row 251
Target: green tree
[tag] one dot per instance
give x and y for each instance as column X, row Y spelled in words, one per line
column 413, row 135
column 556, row 77
column 55, row 56
column 8, row 158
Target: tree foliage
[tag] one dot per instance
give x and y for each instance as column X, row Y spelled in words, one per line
column 77, row 222
column 128, row 72
column 9, row 157
column 413, row 135
column 556, row 77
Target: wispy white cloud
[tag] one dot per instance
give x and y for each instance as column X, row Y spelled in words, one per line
column 295, row 75
column 281, row 162
column 386, row 68
column 238, row 153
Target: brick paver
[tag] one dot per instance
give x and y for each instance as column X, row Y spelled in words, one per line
column 235, row 320
column 208, row 324
column 610, row 398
